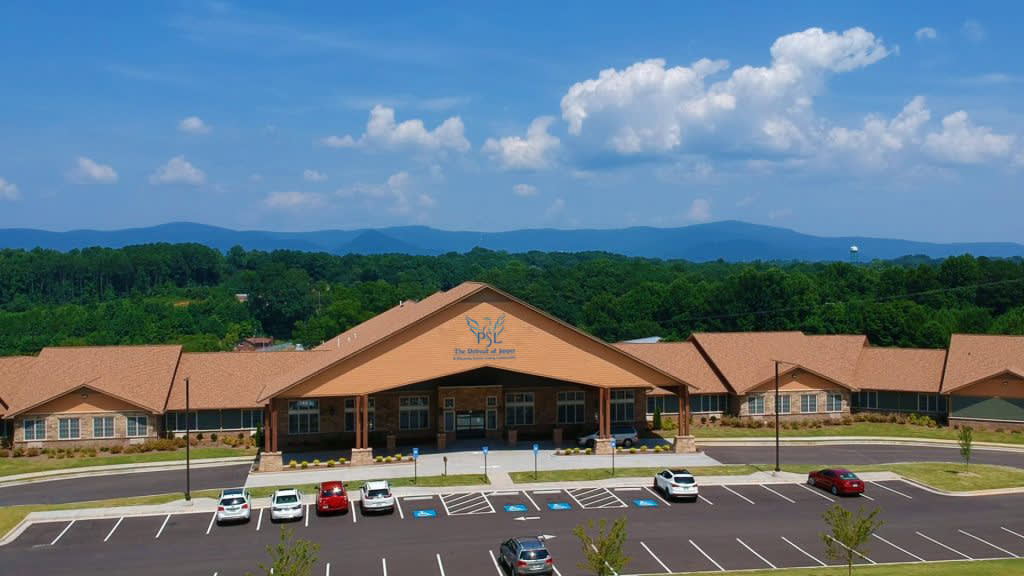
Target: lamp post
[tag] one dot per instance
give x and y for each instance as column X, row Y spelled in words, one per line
column 188, row 454
column 485, row 450
column 776, row 415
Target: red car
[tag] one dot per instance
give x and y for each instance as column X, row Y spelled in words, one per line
column 331, row 497
column 837, row 480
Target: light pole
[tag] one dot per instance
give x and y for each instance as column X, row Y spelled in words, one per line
column 777, row 415
column 188, row 454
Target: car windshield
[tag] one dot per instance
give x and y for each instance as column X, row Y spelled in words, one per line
column 538, row 554
column 331, row 491
column 286, row 499
column 378, row 493
column 848, row 476
column 232, row 501
column 685, row 480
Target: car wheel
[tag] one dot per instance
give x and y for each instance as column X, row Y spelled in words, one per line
column 835, row 491
column 627, row 443
column 810, row 481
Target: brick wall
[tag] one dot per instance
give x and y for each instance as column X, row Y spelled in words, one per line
column 85, row 427
column 742, row 407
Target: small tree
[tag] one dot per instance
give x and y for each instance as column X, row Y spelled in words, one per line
column 966, row 440
column 850, row 533
column 603, row 550
column 290, row 557
column 657, row 419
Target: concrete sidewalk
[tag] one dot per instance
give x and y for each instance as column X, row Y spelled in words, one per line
column 112, row 469
column 868, row 440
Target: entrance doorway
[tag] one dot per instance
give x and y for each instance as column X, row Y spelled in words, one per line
column 469, row 424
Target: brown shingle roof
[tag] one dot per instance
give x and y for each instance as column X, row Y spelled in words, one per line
column 13, row 371
column 140, row 375
column 681, row 360
column 747, row 359
column 231, row 379
column 973, row 357
column 900, row 369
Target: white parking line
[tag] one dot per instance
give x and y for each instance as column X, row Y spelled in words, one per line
column 527, row 494
column 710, row 503
column 852, row 550
column 627, row 489
column 118, row 523
column 259, row 520
column 439, row 565
column 738, row 494
column 705, row 554
column 306, row 516
column 607, row 565
column 456, row 498
column 547, row 491
column 446, row 512
column 66, row 528
column 384, row 565
column 816, row 492
column 504, row 493
column 658, row 496
column 1003, row 550
column 412, row 498
column 754, row 552
column 591, row 498
column 555, row 568
column 398, row 504
column 210, row 527
column 907, row 552
column 656, row 559
column 786, row 498
column 801, row 550
column 1012, row 532
column 161, row 530
column 893, row 491
column 327, row 571
column 495, row 561
column 930, row 539
column 354, row 510
column 863, row 495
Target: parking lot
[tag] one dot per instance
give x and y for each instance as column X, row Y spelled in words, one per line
column 728, row 528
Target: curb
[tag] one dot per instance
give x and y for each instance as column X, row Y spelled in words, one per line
column 867, row 440
column 116, row 469
column 940, row 492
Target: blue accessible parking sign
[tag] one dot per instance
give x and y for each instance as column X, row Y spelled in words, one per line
column 425, row 513
column 559, row 506
column 515, row 507
column 645, row 503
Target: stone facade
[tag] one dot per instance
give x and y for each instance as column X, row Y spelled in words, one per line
column 795, row 384
column 86, row 438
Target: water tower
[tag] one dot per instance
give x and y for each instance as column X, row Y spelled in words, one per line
column 854, row 253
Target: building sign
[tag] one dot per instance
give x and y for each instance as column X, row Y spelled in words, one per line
column 487, row 342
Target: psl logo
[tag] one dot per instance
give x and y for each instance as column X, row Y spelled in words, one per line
column 487, row 332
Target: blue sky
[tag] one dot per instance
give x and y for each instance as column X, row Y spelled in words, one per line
column 896, row 119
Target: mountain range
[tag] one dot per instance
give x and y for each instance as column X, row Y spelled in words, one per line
column 726, row 240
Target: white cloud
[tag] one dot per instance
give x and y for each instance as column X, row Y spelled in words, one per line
column 555, row 209
column 780, row 213
column 926, row 33
column 87, row 170
column 531, row 153
column 700, row 210
column 873, row 143
column 313, row 176
column 255, row 177
column 8, row 191
column 524, row 190
column 383, row 132
column 293, row 200
column 397, row 192
column 193, row 125
column 973, row 31
column 649, row 108
column 962, row 142
column 177, row 170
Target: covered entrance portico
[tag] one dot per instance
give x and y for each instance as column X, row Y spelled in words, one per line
column 470, row 362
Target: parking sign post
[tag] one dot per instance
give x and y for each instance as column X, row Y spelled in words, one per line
column 415, row 461
column 613, row 455
column 536, row 448
column 485, row 462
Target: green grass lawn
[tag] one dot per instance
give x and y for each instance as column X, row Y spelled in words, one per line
column 855, row 429
column 978, row 568
column 942, row 475
column 605, row 473
column 9, row 466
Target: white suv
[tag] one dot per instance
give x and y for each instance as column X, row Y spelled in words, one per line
column 676, row 483
column 286, row 504
column 376, row 496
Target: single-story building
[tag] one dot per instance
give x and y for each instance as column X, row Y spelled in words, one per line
column 984, row 380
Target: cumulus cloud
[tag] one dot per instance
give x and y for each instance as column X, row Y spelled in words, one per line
column 177, row 170
column 700, row 210
column 926, row 33
column 651, row 108
column 313, row 176
column 531, row 153
column 193, row 125
column 962, row 142
column 555, row 209
column 293, row 200
column 397, row 193
column 382, row 131
column 87, row 170
column 878, row 138
column 973, row 31
column 524, row 190
column 8, row 191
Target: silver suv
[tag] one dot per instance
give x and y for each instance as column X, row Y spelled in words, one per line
column 625, row 436
column 526, row 556
column 234, row 505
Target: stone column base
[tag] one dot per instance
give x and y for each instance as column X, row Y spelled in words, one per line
column 271, row 462
column 392, row 442
column 513, row 437
column 362, row 456
column 685, row 444
column 442, row 441
column 556, row 437
column 603, row 446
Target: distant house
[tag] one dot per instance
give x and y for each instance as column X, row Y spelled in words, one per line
column 243, row 298
column 256, row 343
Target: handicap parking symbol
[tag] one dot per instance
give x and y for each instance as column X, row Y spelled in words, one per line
column 515, row 507
column 645, row 503
column 559, row 506
column 425, row 513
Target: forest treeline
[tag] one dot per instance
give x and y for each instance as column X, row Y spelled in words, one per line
column 185, row 293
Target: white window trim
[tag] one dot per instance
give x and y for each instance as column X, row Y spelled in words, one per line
column 570, row 398
column 625, row 398
column 422, row 405
column 828, row 400
column 69, row 420
column 487, row 419
column 524, row 403
column 38, row 429
column 753, row 398
column 813, row 396
column 144, row 426
column 789, row 404
column 308, row 412
column 449, row 403
column 113, row 427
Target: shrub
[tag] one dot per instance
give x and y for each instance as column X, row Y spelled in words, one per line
column 4, row 453
column 18, row 453
column 398, row 456
column 116, row 449
column 304, row 465
column 703, row 419
column 643, row 448
column 389, row 459
column 657, row 419
column 378, row 459
column 632, row 450
column 104, row 448
column 213, row 437
column 330, row 463
column 132, row 449
column 342, row 460
column 91, row 453
column 32, row 452
column 199, row 436
column 292, row 464
column 588, row 451
column 998, row 430
column 61, row 455
column 230, row 441
column 179, row 442
column 713, row 419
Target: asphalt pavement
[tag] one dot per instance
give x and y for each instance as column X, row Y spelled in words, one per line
column 857, row 454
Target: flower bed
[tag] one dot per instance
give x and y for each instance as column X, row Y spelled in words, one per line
column 293, row 464
column 574, row 452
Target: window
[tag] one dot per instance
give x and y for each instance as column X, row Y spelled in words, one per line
column 304, row 417
column 570, row 407
column 35, row 429
column 350, row 414
column 449, row 403
column 519, row 409
column 413, row 412
column 492, row 419
column 784, row 407
column 175, row 421
column 252, row 418
column 492, row 401
column 137, row 426
column 834, row 402
column 755, row 404
column 708, row 403
column 808, row 403
column 449, row 420
column 867, row 399
column 209, row 420
column 927, row 403
column 667, row 404
column 623, row 402
column 68, row 428
column 103, row 427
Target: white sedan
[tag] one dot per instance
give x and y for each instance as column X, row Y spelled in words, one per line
column 286, row 504
column 676, row 483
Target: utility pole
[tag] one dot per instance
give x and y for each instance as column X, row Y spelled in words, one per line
column 777, row 415
column 188, row 454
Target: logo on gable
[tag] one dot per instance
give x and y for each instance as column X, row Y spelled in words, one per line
column 488, row 340
column 487, row 332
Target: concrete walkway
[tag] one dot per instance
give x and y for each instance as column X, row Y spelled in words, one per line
column 866, row 440
column 114, row 469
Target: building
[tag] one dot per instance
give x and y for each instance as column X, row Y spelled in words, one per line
column 254, row 344
column 476, row 363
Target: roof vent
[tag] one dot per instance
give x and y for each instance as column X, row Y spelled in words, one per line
column 401, row 304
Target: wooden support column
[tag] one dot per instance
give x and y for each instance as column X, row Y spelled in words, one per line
column 606, row 413
column 685, row 414
column 272, row 425
column 357, row 416
column 267, row 430
column 365, row 420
